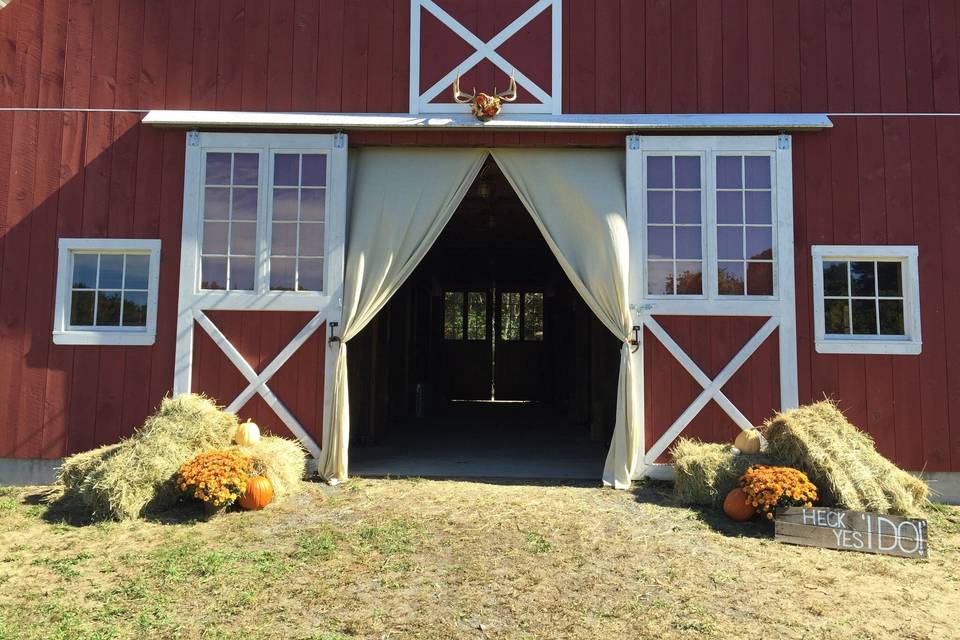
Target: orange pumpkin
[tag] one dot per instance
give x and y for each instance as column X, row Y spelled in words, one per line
column 737, row 506
column 259, row 493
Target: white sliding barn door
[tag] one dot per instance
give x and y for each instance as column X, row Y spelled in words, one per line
column 677, row 187
column 263, row 231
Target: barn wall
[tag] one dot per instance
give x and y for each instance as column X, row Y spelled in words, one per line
column 868, row 180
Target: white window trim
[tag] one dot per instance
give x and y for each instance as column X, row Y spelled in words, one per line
column 911, row 344
column 63, row 333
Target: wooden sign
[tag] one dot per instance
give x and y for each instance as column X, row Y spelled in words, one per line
column 852, row 531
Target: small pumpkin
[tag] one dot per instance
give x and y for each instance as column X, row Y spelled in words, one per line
column 259, row 493
column 248, row 434
column 749, row 441
column 737, row 506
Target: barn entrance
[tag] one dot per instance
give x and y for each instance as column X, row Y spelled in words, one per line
column 486, row 362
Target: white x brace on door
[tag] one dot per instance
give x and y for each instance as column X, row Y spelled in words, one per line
column 263, row 230
column 423, row 101
column 670, row 202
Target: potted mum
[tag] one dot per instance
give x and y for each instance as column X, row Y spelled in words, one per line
column 216, row 478
column 767, row 488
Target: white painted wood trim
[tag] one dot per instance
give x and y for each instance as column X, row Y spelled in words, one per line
column 908, row 257
column 784, row 276
column 63, row 333
column 752, row 122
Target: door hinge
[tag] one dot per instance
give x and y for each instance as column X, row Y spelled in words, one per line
column 339, row 140
column 193, row 138
column 633, row 142
column 783, row 141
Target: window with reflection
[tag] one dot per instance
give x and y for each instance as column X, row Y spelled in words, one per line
column 465, row 315
column 229, row 236
column 521, row 316
column 674, row 225
column 744, row 206
column 297, row 221
column 109, row 290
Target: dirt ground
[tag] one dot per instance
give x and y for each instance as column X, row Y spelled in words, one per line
column 450, row 559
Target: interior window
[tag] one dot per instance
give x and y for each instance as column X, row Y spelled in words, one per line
column 521, row 316
column 509, row 315
column 533, row 316
column 453, row 315
column 476, row 315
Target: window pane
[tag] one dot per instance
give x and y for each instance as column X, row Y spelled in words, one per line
column 213, row 273
column 314, row 170
column 216, row 203
column 759, row 278
column 688, row 207
column 660, row 207
column 864, row 316
column 659, row 278
column 758, row 207
column 215, row 237
column 111, row 271
column 85, row 270
column 241, row 274
column 510, row 316
column 285, row 204
column 688, row 172
column 889, row 280
column 284, row 239
column 244, row 204
column 891, row 318
column 218, row 168
column 476, row 315
column 760, row 243
column 243, row 236
column 108, row 308
column 689, row 246
column 836, row 317
column 862, row 281
column 660, row 242
column 659, row 172
column 283, row 274
column 312, row 203
column 730, row 207
column 135, row 309
column 835, row 278
column 137, row 271
column 310, row 272
column 730, row 243
column 533, row 316
column 311, row 239
column 758, row 172
column 81, row 308
column 729, row 173
column 246, row 168
column 286, row 169
column 730, row 278
column 453, row 315
column 689, row 278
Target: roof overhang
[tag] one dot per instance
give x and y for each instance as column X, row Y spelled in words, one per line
column 567, row 122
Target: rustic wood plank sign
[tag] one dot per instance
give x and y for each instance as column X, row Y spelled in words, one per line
column 852, row 531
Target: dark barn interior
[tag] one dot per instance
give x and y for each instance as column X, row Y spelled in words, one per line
column 486, row 362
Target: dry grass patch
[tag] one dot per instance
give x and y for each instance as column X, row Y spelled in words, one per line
column 434, row 559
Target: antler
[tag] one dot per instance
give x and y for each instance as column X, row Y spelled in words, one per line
column 459, row 96
column 510, row 94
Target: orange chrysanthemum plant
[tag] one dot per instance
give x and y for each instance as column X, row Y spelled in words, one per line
column 770, row 487
column 216, row 477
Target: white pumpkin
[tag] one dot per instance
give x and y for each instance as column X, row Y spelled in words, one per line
column 749, row 441
column 247, row 434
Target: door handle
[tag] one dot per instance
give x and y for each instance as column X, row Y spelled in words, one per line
column 333, row 337
column 635, row 341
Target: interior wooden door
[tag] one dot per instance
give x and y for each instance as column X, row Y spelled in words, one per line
column 521, row 343
column 465, row 344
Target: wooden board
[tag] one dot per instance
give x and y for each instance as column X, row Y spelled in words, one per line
column 852, row 531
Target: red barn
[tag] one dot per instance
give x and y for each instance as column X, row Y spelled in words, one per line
column 687, row 215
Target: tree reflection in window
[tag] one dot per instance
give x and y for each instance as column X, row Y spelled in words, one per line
column 533, row 316
column 464, row 311
column 509, row 316
column 453, row 315
column 521, row 316
column 476, row 315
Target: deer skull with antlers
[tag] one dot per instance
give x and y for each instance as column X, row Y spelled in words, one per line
column 483, row 105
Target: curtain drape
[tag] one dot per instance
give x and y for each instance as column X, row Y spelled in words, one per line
column 400, row 201
column 577, row 198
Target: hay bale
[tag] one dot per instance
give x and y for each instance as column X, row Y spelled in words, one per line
column 282, row 461
column 842, row 461
column 705, row 472
column 139, row 476
column 74, row 469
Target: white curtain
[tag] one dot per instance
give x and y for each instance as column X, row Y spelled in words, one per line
column 401, row 199
column 577, row 198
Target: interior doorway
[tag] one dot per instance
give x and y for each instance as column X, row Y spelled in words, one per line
column 486, row 362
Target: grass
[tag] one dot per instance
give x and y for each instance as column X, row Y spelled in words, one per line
column 431, row 559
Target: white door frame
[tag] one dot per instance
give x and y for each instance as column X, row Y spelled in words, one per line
column 780, row 309
column 194, row 302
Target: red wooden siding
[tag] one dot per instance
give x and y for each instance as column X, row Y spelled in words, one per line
column 869, row 180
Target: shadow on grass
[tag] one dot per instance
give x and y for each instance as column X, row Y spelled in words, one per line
column 61, row 507
column 661, row 494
